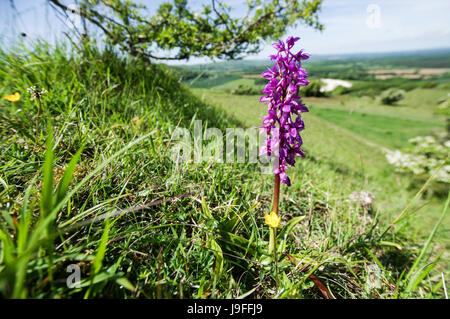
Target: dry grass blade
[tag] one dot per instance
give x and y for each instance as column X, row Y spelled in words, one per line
column 320, row 285
column 122, row 212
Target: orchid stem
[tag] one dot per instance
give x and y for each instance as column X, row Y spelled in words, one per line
column 37, row 121
column 273, row 231
column 276, row 193
column 276, row 199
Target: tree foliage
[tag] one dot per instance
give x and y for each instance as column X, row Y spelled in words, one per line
column 245, row 89
column 211, row 31
column 392, row 96
column 313, row 89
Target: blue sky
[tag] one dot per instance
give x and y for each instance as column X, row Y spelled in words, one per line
column 351, row 26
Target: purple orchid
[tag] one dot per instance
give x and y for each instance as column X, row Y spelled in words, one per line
column 281, row 96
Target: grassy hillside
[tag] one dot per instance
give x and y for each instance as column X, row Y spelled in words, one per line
column 352, row 132
column 345, row 139
column 94, row 187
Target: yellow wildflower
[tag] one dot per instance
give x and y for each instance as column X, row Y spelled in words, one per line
column 272, row 219
column 13, row 97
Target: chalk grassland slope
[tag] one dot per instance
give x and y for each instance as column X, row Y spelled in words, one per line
column 136, row 224
column 348, row 136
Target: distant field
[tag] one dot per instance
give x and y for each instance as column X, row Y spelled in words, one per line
column 424, row 73
column 214, row 81
column 234, row 84
column 388, row 131
column 427, row 65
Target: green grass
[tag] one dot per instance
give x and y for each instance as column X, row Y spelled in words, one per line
column 95, row 186
column 231, row 85
column 216, row 80
column 388, row 131
column 349, row 147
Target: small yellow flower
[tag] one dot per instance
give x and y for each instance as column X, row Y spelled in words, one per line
column 272, row 219
column 13, row 97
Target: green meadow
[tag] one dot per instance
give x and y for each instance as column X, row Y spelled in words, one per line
column 87, row 182
column 350, row 134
